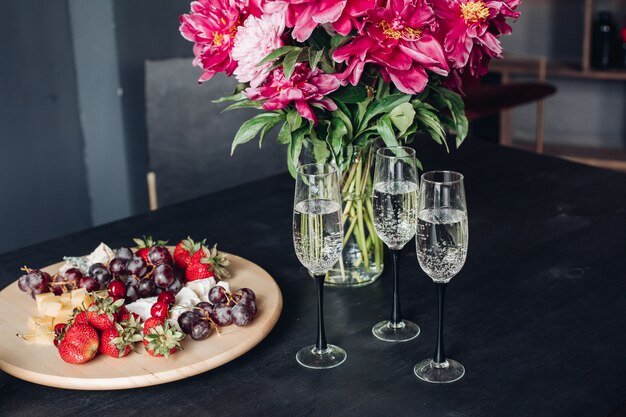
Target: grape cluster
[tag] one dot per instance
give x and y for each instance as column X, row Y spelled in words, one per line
column 224, row 309
column 34, row 281
column 133, row 277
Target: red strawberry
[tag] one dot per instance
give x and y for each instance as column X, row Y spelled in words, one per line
column 80, row 344
column 207, row 263
column 103, row 313
column 118, row 341
column 144, row 245
column 123, row 314
column 159, row 338
column 80, row 317
column 185, row 250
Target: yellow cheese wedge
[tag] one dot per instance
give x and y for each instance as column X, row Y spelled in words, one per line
column 39, row 298
column 65, row 298
column 50, row 308
column 39, row 339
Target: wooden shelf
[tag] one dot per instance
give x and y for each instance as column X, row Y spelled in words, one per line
column 531, row 66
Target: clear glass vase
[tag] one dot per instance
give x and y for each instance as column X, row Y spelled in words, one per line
column 362, row 258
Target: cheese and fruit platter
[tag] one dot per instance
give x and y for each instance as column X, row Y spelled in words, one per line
column 134, row 317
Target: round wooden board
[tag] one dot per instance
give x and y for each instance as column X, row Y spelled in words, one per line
column 42, row 364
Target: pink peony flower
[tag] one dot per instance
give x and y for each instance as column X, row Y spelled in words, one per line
column 305, row 88
column 353, row 16
column 253, row 42
column 397, row 37
column 212, row 25
column 469, row 30
column 304, row 15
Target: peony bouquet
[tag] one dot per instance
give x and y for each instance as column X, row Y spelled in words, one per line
column 338, row 76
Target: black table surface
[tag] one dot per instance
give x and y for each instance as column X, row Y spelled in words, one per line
column 536, row 315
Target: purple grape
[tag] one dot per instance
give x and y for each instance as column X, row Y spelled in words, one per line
column 241, row 315
column 94, row 268
column 131, row 280
column 137, row 266
column 124, row 253
column 146, row 288
column 204, row 307
column 163, row 276
column 88, row 283
column 38, row 280
column 177, row 285
column 117, row 267
column 58, row 282
column 221, row 315
column 200, row 330
column 186, row 319
column 217, row 295
column 132, row 293
column 246, row 291
column 159, row 255
column 249, row 304
column 72, row 276
column 22, row 283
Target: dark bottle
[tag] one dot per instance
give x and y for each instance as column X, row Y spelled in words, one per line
column 603, row 40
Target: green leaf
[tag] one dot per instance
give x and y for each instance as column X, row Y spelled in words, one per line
column 250, row 128
column 320, row 150
column 429, row 121
column 319, row 39
column 343, row 113
column 234, row 97
column 350, row 94
column 293, row 153
column 338, row 40
column 244, row 105
column 384, row 105
column 284, row 135
column 294, row 119
column 385, row 130
column 277, row 53
column 402, row 117
column 336, row 133
column 289, row 63
column 453, row 103
column 268, row 126
column 314, row 57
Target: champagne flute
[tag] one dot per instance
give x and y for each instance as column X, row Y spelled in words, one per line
column 395, row 215
column 318, row 242
column 441, row 243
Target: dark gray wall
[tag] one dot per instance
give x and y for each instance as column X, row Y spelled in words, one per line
column 145, row 30
column 43, row 191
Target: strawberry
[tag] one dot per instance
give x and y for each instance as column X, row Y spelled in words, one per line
column 207, row 263
column 144, row 245
column 185, row 250
column 159, row 338
column 80, row 344
column 103, row 312
column 123, row 314
column 118, row 341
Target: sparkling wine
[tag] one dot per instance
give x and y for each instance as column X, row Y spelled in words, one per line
column 318, row 234
column 395, row 211
column 441, row 241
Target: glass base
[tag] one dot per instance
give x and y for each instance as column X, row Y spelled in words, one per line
column 439, row 373
column 402, row 332
column 311, row 357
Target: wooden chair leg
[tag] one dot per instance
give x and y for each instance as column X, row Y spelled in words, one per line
column 152, row 190
column 543, row 72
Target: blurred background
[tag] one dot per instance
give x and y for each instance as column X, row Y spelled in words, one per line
column 94, row 94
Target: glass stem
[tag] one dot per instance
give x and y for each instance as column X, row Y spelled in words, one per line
column 440, row 354
column 321, row 334
column 396, row 314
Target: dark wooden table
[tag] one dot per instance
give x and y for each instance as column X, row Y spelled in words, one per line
column 536, row 315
